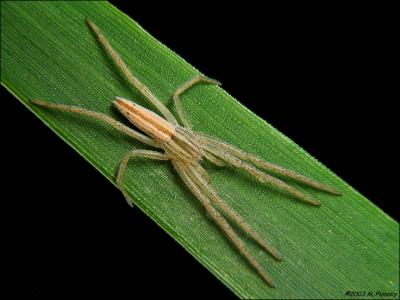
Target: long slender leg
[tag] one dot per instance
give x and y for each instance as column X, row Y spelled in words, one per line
column 181, row 112
column 214, row 159
column 223, row 224
column 269, row 166
column 101, row 117
column 191, row 136
column 203, row 173
column 263, row 177
column 124, row 163
column 257, row 161
column 214, row 197
column 129, row 76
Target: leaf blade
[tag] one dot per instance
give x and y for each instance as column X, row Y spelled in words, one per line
column 54, row 38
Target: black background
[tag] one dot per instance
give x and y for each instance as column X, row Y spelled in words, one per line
column 321, row 75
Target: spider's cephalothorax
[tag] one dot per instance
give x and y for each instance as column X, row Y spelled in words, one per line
column 185, row 149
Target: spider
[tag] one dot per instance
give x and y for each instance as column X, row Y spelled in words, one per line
column 187, row 150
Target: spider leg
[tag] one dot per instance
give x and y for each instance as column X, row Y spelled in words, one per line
column 220, row 220
column 212, row 158
column 101, row 117
column 181, row 112
column 124, row 163
column 198, row 139
column 223, row 224
column 257, row 161
column 203, row 173
column 129, row 75
column 215, row 198
column 261, row 176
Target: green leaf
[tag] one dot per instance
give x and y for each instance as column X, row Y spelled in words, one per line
column 348, row 243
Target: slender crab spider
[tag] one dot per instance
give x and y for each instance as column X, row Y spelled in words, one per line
column 187, row 150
